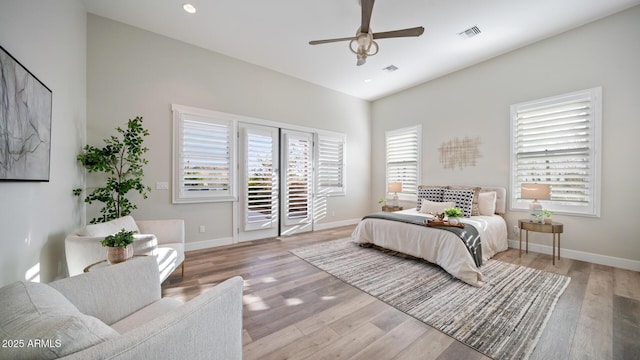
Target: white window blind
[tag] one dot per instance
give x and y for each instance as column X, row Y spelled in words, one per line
column 330, row 164
column 203, row 156
column 555, row 141
column 261, row 182
column 403, row 148
column 298, row 175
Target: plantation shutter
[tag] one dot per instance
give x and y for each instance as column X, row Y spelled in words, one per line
column 330, row 169
column 403, row 158
column 261, row 180
column 203, row 150
column 555, row 144
column 298, row 172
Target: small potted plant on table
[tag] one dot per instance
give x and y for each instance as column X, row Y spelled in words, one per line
column 453, row 215
column 119, row 246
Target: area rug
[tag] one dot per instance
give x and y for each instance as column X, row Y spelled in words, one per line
column 503, row 319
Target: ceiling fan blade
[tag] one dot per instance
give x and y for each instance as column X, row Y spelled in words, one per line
column 318, row 42
column 416, row 31
column 367, row 9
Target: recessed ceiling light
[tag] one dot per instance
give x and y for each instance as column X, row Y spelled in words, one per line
column 189, row 8
column 368, row 80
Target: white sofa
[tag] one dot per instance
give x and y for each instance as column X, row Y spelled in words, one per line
column 111, row 314
column 162, row 238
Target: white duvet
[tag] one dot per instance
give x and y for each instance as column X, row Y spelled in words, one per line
column 436, row 245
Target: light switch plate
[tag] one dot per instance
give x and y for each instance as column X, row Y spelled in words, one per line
column 162, row 185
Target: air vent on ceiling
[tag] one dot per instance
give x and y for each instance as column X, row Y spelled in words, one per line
column 390, row 68
column 470, row 32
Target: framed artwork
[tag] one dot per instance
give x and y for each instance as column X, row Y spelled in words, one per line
column 25, row 123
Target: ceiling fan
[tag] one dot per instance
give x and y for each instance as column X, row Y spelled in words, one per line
column 364, row 39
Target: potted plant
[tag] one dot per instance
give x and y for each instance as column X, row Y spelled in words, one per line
column 547, row 216
column 453, row 215
column 383, row 202
column 120, row 161
column 119, row 246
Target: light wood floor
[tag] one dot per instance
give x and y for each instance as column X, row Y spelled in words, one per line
column 293, row 310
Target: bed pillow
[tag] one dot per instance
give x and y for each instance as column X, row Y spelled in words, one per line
column 37, row 311
column 435, row 207
column 475, row 209
column 431, row 193
column 487, row 203
column 462, row 198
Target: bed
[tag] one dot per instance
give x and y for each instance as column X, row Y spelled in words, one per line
column 437, row 245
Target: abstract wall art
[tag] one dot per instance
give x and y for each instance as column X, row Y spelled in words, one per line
column 460, row 153
column 25, row 123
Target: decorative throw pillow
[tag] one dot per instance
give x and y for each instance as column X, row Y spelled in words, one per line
column 487, row 203
column 111, row 227
column 435, row 207
column 475, row 210
column 37, row 312
column 462, row 198
column 431, row 193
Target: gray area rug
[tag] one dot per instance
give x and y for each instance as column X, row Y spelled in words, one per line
column 503, row 319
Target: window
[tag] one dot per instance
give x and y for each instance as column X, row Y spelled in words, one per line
column 203, row 155
column 330, row 164
column 556, row 141
column 297, row 184
column 403, row 160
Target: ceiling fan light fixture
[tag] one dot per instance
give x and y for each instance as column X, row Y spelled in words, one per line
column 364, row 38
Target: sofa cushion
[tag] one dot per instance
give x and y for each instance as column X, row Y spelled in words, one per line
column 110, row 227
column 36, row 312
column 146, row 314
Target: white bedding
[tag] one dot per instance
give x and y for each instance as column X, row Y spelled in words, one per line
column 435, row 245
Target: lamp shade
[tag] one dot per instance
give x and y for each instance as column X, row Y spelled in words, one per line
column 394, row 187
column 535, row 191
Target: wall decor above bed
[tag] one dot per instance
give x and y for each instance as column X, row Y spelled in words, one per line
column 460, row 153
column 25, row 123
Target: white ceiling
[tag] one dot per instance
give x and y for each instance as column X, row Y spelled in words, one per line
column 275, row 34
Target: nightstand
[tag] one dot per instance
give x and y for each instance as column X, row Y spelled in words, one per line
column 552, row 228
column 390, row 208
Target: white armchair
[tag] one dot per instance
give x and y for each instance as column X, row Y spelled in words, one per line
column 161, row 238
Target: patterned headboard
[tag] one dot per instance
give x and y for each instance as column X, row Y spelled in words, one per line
column 501, row 198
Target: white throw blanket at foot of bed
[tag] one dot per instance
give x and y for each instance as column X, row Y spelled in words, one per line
column 436, row 245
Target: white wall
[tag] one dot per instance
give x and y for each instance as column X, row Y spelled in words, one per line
column 49, row 39
column 134, row 72
column 475, row 102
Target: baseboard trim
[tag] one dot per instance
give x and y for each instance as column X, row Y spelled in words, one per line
column 583, row 256
column 205, row 244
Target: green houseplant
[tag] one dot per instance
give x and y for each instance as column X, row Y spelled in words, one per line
column 121, row 161
column 119, row 246
column 453, row 214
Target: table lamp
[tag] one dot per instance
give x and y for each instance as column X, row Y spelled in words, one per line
column 395, row 188
column 535, row 192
